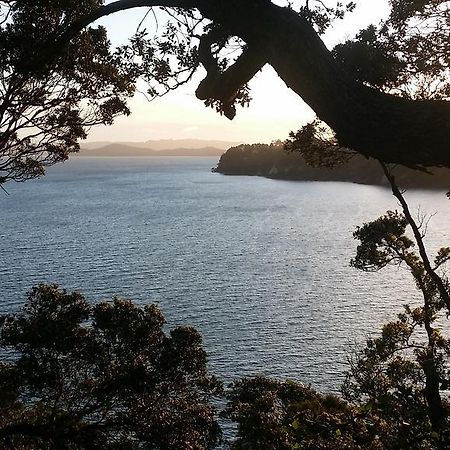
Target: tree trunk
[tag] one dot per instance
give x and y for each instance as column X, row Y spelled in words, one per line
column 432, row 395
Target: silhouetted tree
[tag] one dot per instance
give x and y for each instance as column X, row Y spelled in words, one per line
column 48, row 104
column 44, row 48
column 401, row 372
column 106, row 376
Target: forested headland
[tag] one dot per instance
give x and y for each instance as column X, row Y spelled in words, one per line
column 273, row 161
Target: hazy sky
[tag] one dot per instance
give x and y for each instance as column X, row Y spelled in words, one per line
column 274, row 111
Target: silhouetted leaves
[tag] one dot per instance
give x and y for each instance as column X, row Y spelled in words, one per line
column 52, row 91
column 286, row 415
column 318, row 146
column 407, row 54
column 103, row 376
column 400, row 373
column 383, row 241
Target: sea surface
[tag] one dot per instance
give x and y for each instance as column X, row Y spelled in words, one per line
column 260, row 267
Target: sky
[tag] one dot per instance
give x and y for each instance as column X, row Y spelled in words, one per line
column 274, row 111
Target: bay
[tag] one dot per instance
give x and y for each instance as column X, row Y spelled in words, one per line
column 260, row 267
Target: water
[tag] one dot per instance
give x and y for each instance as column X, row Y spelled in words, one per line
column 259, row 266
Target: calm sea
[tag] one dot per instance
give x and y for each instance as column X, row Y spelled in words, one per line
column 260, row 267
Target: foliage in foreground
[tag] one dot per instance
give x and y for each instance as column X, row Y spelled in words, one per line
column 287, row 415
column 105, row 376
column 384, row 242
column 402, row 372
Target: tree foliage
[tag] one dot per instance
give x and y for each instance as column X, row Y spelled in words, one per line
column 382, row 242
column 401, row 373
column 103, row 376
column 59, row 75
column 387, row 378
column 47, row 104
column 408, row 53
column 287, row 415
column 318, row 145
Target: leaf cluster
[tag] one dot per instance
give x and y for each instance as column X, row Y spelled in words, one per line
column 316, row 143
column 166, row 60
column 370, row 59
column 407, row 54
column 287, row 415
column 382, row 242
column 51, row 92
column 103, row 376
column 322, row 16
column 387, row 379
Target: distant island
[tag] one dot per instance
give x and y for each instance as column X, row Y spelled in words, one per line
column 163, row 147
column 272, row 161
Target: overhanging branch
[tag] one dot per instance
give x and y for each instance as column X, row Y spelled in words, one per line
column 122, row 5
column 392, row 129
column 224, row 86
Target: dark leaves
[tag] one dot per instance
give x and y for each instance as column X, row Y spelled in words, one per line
column 318, row 146
column 107, row 375
column 53, row 91
column 382, row 241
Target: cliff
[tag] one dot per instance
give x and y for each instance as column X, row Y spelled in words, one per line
column 273, row 162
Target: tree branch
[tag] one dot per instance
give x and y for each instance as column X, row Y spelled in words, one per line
column 122, row 5
column 224, row 86
column 392, row 129
column 445, row 295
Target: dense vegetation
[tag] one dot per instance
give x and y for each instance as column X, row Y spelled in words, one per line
column 273, row 161
column 75, row 375
column 80, row 376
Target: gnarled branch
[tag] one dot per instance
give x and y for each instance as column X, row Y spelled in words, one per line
column 392, row 129
column 224, row 86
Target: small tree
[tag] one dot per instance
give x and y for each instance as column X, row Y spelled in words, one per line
column 105, row 376
column 400, row 373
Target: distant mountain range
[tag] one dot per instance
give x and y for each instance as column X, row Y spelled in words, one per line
column 273, row 162
column 163, row 147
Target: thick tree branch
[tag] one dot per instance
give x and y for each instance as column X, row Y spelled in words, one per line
column 224, row 86
column 393, row 129
column 389, row 128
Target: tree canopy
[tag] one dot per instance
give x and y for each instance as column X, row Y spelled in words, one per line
column 73, row 375
column 76, row 375
column 59, row 75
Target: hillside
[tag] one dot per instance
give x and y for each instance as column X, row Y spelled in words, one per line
column 164, row 147
column 273, row 162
